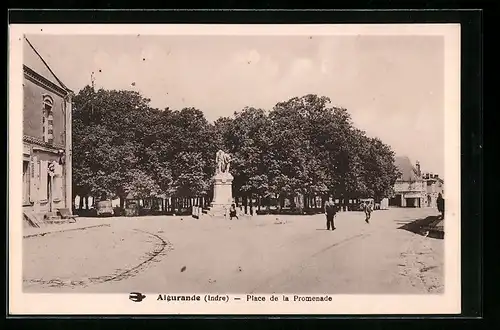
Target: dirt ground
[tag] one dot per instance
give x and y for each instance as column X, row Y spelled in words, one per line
column 251, row 255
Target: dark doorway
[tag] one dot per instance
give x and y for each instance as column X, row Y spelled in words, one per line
column 395, row 201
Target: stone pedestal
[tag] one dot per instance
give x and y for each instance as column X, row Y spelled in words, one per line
column 223, row 194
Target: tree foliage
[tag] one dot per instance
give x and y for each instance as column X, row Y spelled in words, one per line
column 303, row 146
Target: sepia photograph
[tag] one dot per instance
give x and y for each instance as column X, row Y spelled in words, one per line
column 236, row 165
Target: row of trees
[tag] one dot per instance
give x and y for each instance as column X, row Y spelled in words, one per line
column 302, row 146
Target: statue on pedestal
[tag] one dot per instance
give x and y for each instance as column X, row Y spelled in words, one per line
column 222, row 160
column 223, row 195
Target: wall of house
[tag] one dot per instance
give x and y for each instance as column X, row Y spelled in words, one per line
column 40, row 156
column 33, row 112
column 401, row 186
column 38, row 177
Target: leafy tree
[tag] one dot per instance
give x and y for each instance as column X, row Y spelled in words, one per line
column 303, row 147
column 188, row 174
column 140, row 184
column 380, row 171
column 105, row 136
column 249, row 142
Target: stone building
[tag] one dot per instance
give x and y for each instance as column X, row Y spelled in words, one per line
column 46, row 137
column 434, row 186
column 409, row 189
column 414, row 188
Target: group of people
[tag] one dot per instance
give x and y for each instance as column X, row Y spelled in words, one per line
column 331, row 210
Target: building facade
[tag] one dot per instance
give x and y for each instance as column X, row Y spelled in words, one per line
column 414, row 188
column 46, row 137
column 434, row 186
column 409, row 189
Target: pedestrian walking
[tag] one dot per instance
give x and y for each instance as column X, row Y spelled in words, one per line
column 440, row 205
column 232, row 212
column 368, row 211
column 330, row 212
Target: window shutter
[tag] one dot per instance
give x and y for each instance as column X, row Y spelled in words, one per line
column 34, row 177
column 43, row 180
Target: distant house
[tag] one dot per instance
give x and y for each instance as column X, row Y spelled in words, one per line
column 414, row 189
column 409, row 189
column 46, row 137
column 434, row 186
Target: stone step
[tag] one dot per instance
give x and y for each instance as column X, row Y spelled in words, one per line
column 32, row 219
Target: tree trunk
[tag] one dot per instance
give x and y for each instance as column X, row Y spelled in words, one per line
column 251, row 204
column 87, row 202
column 80, row 203
column 245, row 204
column 259, row 202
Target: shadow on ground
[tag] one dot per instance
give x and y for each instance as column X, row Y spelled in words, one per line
column 425, row 227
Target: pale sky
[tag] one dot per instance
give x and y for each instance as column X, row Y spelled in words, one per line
column 393, row 86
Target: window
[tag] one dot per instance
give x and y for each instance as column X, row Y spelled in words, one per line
column 48, row 119
column 26, row 182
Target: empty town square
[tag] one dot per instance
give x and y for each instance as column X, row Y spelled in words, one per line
column 395, row 253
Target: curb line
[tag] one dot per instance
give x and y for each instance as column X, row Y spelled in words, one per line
column 64, row 230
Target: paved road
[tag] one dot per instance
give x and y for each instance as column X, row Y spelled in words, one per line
column 254, row 255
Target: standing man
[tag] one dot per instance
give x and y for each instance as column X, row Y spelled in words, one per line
column 330, row 211
column 368, row 211
column 440, row 205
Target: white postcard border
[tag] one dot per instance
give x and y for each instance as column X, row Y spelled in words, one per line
column 447, row 303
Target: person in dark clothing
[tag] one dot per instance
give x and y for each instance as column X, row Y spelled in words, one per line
column 440, row 205
column 330, row 212
column 232, row 212
column 368, row 211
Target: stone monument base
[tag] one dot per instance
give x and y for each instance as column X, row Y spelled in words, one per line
column 223, row 194
column 218, row 210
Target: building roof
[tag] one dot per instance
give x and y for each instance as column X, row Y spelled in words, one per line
column 408, row 171
column 33, row 60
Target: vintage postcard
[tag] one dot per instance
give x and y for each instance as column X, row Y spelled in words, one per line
column 234, row 169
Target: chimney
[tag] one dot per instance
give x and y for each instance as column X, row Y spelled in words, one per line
column 417, row 165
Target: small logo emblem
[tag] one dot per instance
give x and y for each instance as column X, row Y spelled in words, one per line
column 136, row 296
